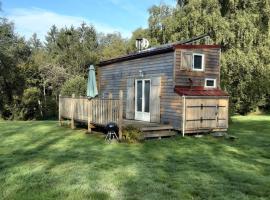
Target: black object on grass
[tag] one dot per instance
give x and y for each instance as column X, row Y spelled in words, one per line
column 111, row 131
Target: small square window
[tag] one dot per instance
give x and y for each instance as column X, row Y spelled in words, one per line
column 198, row 62
column 210, row 83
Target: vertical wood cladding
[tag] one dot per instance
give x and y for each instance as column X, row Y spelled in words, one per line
column 114, row 77
column 211, row 67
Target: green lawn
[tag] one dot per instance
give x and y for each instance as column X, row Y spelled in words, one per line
column 40, row 160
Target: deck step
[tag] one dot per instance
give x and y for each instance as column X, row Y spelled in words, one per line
column 156, row 134
column 156, row 128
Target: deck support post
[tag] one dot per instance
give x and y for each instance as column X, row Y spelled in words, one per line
column 183, row 115
column 120, row 122
column 89, row 115
column 59, row 110
column 73, row 111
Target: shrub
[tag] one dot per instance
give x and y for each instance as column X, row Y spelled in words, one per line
column 31, row 104
column 132, row 134
column 76, row 85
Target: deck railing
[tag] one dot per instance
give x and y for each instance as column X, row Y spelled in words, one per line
column 96, row 111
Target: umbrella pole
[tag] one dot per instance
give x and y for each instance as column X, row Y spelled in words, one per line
column 89, row 115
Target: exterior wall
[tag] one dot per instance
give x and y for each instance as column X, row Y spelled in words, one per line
column 113, row 77
column 211, row 67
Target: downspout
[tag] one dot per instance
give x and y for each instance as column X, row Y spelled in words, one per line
column 184, row 115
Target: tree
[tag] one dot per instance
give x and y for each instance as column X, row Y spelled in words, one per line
column 67, row 53
column 52, row 77
column 74, row 49
column 13, row 53
column 75, row 85
column 241, row 27
column 51, row 39
column 245, row 77
column 33, row 69
column 159, row 24
column 35, row 43
column 182, row 3
column 31, row 104
column 112, row 45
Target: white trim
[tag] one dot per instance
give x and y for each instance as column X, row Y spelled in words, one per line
column 141, row 115
column 210, row 79
column 198, row 54
column 184, row 116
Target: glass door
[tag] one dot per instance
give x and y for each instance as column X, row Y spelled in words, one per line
column 142, row 99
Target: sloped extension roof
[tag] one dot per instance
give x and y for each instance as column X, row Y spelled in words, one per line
column 199, row 91
column 159, row 50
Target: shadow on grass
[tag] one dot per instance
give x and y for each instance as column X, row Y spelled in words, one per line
column 76, row 165
column 206, row 168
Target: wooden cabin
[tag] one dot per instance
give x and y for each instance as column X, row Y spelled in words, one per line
column 161, row 90
column 176, row 84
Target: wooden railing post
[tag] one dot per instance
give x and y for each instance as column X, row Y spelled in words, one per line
column 73, row 111
column 110, row 108
column 120, row 122
column 60, row 110
column 89, row 115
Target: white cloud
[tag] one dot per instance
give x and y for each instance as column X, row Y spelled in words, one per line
column 35, row 20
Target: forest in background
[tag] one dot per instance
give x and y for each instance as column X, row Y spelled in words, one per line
column 34, row 73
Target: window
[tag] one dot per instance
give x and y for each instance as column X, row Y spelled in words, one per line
column 198, row 62
column 210, row 83
column 186, row 60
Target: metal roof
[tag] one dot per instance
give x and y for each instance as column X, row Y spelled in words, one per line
column 199, row 91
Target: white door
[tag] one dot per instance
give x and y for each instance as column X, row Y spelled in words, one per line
column 142, row 99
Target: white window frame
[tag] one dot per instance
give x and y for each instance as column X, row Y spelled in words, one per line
column 210, row 79
column 193, row 56
column 142, row 115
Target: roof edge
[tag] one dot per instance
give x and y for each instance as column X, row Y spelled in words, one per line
column 199, row 91
column 197, row 46
column 136, row 55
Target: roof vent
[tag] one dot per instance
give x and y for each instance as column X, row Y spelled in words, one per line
column 142, row 43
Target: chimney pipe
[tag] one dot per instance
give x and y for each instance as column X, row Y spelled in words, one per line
column 139, row 44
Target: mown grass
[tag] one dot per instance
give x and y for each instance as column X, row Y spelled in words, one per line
column 40, row 160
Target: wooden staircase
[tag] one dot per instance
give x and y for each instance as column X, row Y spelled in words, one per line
column 158, row 131
column 152, row 130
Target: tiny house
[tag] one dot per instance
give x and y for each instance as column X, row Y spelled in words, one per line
column 176, row 84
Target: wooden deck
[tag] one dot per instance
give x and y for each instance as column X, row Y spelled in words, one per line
column 99, row 112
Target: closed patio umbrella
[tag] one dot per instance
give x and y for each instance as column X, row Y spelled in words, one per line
column 91, row 84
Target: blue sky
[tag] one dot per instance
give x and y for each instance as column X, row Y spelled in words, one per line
column 107, row 16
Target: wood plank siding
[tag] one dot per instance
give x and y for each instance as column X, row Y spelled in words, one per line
column 206, row 114
column 211, row 67
column 114, row 77
column 119, row 75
